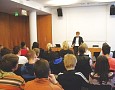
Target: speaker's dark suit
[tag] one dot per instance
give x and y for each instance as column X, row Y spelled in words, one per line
column 80, row 41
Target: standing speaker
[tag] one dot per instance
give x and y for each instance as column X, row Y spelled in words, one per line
column 59, row 12
column 112, row 10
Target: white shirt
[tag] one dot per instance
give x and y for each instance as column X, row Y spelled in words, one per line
column 22, row 60
column 77, row 41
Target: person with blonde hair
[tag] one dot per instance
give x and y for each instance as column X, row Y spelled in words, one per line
column 49, row 55
column 65, row 49
column 72, row 80
column 87, row 52
column 37, row 51
column 48, row 47
column 27, row 70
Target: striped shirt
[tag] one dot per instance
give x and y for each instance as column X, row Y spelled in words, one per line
column 10, row 81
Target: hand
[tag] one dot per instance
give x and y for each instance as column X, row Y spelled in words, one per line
column 53, row 79
column 72, row 45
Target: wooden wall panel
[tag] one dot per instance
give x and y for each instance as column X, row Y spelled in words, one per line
column 44, row 30
column 14, row 29
column 4, row 30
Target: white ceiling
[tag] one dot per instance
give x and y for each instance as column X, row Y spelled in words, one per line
column 10, row 7
column 50, row 3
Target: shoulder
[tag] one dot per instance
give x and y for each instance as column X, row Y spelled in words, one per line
column 82, row 76
column 16, row 79
column 29, row 85
column 60, row 74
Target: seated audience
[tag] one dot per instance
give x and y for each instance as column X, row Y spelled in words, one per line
column 106, row 51
column 8, row 80
column 22, row 59
column 27, row 70
column 72, row 80
column 44, row 80
column 87, row 52
column 37, row 51
column 84, row 62
column 17, row 51
column 65, row 49
column 35, row 45
column 101, row 74
column 49, row 54
column 57, row 66
column 5, row 51
column 111, row 53
column 24, row 49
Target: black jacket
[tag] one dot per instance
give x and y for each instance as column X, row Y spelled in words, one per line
column 80, row 40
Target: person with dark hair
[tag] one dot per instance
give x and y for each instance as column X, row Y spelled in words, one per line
column 77, row 41
column 70, row 79
column 35, row 45
column 44, row 80
column 9, row 80
column 101, row 74
column 17, row 51
column 5, row 51
column 24, row 49
column 106, row 51
column 111, row 53
column 84, row 62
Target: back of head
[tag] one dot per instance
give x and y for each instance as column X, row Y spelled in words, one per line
column 23, row 44
column 81, row 50
column 70, row 61
column 106, row 49
column 49, row 45
column 5, row 51
column 85, row 46
column 102, row 68
column 9, row 62
column 37, row 50
column 35, row 45
column 16, row 49
column 31, row 54
column 65, row 45
column 42, row 69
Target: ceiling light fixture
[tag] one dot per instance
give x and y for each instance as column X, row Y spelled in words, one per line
column 24, row 12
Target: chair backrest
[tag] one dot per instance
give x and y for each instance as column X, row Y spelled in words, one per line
column 100, row 87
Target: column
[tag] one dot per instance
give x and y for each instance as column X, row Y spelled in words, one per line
column 33, row 27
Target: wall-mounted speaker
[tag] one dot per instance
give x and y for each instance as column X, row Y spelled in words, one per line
column 112, row 10
column 59, row 12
